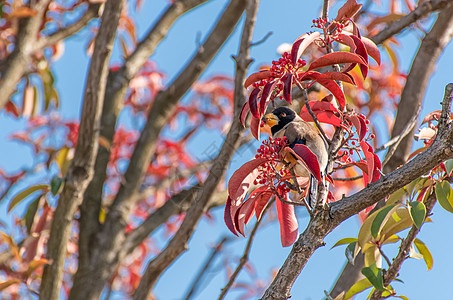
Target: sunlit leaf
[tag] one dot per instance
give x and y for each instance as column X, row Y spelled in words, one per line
column 423, row 249
column 358, row 287
column 418, row 212
column 301, row 44
column 444, row 195
column 31, row 212
column 288, row 223
column 257, row 77
column 25, row 193
column 343, row 241
column 336, row 58
column 381, row 218
column 8, row 283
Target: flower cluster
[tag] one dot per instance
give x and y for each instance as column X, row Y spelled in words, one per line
column 270, row 149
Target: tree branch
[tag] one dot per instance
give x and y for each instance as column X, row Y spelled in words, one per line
column 81, row 169
column 418, row 13
column 115, row 91
column 325, row 221
column 411, row 98
column 179, row 242
column 402, row 255
column 16, row 63
column 53, row 38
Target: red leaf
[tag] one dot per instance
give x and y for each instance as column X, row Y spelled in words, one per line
column 261, row 203
column 348, row 10
column 12, row 108
column 301, row 44
column 255, row 127
column 257, row 77
column 361, row 50
column 339, row 76
column 373, row 162
column 227, row 216
column 241, row 174
column 287, row 85
column 253, row 104
column 336, row 58
column 245, row 110
column 288, row 223
column 308, row 158
column 359, row 125
column 345, row 39
column 266, row 96
column 246, row 210
column 370, row 46
column 323, row 117
column 329, row 84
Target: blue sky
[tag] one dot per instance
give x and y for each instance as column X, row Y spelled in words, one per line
column 287, row 20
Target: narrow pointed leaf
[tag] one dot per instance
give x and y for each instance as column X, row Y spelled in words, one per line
column 381, row 217
column 301, row 44
column 257, row 77
column 288, row 223
column 336, row 58
column 374, row 275
column 308, row 158
column 287, row 85
column 361, row 50
column 349, row 252
column 245, row 110
column 344, row 241
column 25, row 193
column 266, row 97
column 427, row 257
column 227, row 217
column 358, row 287
column 253, row 102
column 255, row 127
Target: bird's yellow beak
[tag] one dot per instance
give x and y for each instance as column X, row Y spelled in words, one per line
column 270, row 120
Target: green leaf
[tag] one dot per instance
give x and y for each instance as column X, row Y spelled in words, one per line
column 31, row 212
column 396, row 196
column 449, row 166
column 56, row 185
column 358, row 287
column 444, row 195
column 343, row 241
column 399, row 221
column 350, row 252
column 401, row 297
column 418, row 212
column 381, row 217
column 427, row 257
column 374, row 275
column 25, row 193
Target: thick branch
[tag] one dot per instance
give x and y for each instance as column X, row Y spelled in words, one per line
column 53, row 38
column 17, row 61
column 403, row 252
column 325, row 221
column 81, row 170
column 115, row 91
column 179, row 242
column 418, row 13
column 408, row 109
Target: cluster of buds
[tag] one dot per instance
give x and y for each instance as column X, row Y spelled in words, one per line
column 319, row 23
column 270, row 171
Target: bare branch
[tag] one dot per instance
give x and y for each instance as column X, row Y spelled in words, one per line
column 403, row 252
column 53, row 38
column 16, row 63
column 81, row 169
column 418, row 13
column 325, row 9
column 245, row 255
column 179, row 242
column 214, row 252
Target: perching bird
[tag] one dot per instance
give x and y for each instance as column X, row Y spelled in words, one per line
column 283, row 121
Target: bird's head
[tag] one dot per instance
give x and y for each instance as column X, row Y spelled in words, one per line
column 279, row 118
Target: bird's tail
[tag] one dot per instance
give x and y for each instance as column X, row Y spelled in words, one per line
column 312, row 192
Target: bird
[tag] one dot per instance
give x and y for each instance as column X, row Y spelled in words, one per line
column 284, row 122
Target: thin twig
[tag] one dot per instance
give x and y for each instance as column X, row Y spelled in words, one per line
column 325, row 9
column 387, row 260
column 348, row 178
column 215, row 251
column 407, row 129
column 245, row 256
column 262, row 40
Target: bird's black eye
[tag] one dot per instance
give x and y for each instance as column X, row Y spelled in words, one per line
column 282, row 115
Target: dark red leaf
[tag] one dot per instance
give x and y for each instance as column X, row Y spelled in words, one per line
column 348, row 10
column 288, row 223
column 359, row 125
column 253, row 103
column 245, row 110
column 247, row 208
column 301, row 44
column 338, row 76
column 361, row 50
column 240, row 175
column 323, row 117
column 335, row 89
column 227, row 216
column 345, row 39
column 373, row 162
column 255, row 127
column 336, row 58
column 287, row 85
column 261, row 203
column 266, row 96
column 257, row 77
column 12, row 109
column 308, row 158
